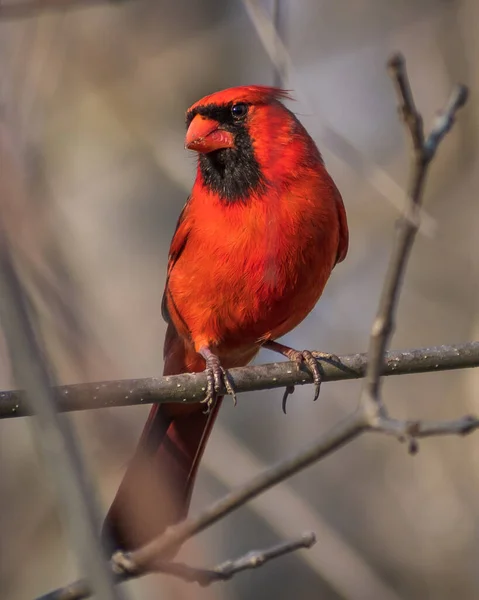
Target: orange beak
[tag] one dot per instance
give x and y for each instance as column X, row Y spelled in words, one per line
column 205, row 135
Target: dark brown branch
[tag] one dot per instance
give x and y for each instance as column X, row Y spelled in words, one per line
column 422, row 154
column 124, row 570
column 188, row 387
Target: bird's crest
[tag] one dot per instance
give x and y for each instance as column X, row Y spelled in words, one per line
column 250, row 94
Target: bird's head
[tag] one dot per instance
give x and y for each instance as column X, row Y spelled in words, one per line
column 242, row 135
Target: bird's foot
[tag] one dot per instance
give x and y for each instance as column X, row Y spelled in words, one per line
column 310, row 360
column 305, row 357
column 216, row 379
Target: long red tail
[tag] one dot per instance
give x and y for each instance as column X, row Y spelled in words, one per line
column 157, row 486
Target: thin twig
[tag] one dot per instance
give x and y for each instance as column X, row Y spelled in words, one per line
column 149, row 558
column 123, row 569
column 257, row 558
column 252, row 560
column 409, row 430
column 335, row 560
column 422, row 154
column 338, row 436
column 175, row 536
column 334, row 142
column 445, row 119
column 189, row 387
column 406, row 105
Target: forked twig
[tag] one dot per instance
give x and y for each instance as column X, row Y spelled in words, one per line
column 423, row 151
column 124, row 569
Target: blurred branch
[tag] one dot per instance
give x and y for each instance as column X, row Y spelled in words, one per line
column 148, row 558
column 53, row 432
column 279, row 19
column 270, row 36
column 410, row 431
column 343, row 433
column 176, row 535
column 24, row 9
column 125, row 570
column 189, row 387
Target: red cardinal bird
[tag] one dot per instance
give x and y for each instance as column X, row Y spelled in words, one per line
column 253, row 249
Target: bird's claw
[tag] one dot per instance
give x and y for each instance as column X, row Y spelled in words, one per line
column 216, row 379
column 287, row 392
column 310, row 359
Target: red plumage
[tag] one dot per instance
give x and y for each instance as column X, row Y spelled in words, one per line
column 254, row 247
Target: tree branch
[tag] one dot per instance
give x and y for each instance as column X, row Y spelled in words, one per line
column 422, row 153
column 409, row 431
column 124, row 570
column 148, row 559
column 189, row 387
column 176, row 535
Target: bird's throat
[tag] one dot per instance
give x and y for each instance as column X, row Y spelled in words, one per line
column 232, row 173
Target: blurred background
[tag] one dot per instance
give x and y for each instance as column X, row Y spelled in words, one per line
column 93, row 101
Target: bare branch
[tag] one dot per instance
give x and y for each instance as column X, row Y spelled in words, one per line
column 445, row 119
column 409, row 430
column 176, row 535
column 148, row 559
column 407, row 107
column 422, row 154
column 124, row 570
column 343, row 433
column 224, row 571
column 189, row 387
column 257, row 558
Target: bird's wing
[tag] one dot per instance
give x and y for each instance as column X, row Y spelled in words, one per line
column 178, row 243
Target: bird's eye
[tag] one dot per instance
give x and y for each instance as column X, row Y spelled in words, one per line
column 239, row 111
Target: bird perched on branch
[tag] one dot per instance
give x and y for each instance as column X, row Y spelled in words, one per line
column 253, row 249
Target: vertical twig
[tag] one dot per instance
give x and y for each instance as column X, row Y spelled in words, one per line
column 422, row 152
column 280, row 66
